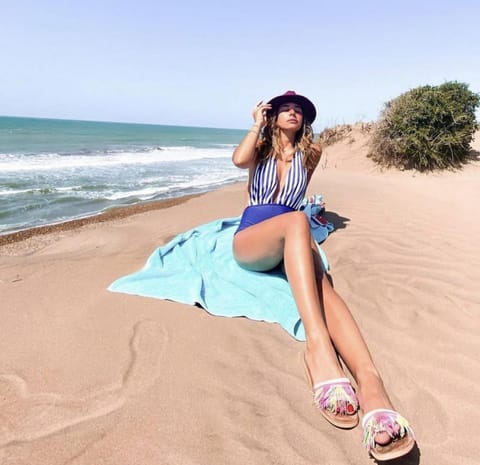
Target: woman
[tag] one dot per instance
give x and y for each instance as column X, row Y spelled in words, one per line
column 281, row 157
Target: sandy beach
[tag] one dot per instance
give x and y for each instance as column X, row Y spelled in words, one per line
column 88, row 376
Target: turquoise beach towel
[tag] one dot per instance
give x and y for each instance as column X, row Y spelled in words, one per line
column 197, row 267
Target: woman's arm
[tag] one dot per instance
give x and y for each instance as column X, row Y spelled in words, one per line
column 245, row 154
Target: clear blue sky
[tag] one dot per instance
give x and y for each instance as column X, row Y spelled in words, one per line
column 206, row 63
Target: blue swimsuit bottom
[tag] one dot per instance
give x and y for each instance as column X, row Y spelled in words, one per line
column 254, row 214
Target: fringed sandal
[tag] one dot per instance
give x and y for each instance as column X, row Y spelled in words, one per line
column 396, row 426
column 336, row 401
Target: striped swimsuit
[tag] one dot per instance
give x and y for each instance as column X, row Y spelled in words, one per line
column 261, row 204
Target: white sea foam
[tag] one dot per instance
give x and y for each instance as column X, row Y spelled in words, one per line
column 68, row 188
column 226, row 146
column 142, row 194
column 7, row 192
column 199, row 182
column 14, row 191
column 10, row 163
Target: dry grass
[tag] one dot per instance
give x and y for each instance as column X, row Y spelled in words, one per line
column 330, row 136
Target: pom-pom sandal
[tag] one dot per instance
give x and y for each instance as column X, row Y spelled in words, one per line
column 396, row 426
column 336, row 400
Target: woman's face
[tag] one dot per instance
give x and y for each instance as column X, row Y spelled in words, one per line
column 290, row 116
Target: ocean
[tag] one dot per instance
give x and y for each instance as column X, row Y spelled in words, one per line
column 55, row 170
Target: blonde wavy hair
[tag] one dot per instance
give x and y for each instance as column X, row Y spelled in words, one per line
column 269, row 145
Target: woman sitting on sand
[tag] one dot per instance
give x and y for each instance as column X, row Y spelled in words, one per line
column 281, row 158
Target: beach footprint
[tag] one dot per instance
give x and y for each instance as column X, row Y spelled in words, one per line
column 26, row 416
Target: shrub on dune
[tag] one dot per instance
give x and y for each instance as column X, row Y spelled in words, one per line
column 426, row 128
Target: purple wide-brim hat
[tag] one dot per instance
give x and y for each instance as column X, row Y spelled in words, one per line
column 309, row 111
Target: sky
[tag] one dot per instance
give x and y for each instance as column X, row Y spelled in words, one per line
column 207, row 63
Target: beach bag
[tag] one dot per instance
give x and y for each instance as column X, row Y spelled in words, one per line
column 314, row 207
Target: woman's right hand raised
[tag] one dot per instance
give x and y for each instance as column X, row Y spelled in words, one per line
column 260, row 113
column 244, row 155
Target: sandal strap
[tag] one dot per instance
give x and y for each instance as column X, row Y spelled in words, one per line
column 372, row 413
column 331, row 382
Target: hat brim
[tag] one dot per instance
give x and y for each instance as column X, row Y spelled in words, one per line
column 309, row 111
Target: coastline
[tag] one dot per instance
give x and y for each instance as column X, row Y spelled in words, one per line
column 56, row 171
column 110, row 214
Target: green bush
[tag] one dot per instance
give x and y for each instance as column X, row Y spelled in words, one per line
column 426, row 128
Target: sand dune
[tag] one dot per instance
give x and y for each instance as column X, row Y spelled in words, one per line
column 90, row 377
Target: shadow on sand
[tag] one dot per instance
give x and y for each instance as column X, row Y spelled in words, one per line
column 340, row 222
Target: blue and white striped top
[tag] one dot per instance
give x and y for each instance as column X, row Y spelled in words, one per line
column 265, row 183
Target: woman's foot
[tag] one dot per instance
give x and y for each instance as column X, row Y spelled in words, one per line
column 372, row 395
column 401, row 434
column 333, row 395
column 374, row 398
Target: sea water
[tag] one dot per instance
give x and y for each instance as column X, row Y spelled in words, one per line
column 56, row 170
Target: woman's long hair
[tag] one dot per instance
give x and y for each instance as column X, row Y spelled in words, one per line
column 269, row 145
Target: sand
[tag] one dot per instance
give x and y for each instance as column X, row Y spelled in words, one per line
column 93, row 377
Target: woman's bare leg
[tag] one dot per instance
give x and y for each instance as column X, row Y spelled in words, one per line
column 351, row 346
column 287, row 236
column 329, row 325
